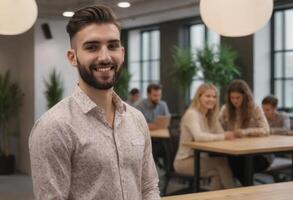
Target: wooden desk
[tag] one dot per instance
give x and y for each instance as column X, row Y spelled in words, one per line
column 160, row 137
column 160, row 133
column 247, row 147
column 276, row 191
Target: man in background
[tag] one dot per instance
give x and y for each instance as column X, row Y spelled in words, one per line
column 153, row 106
column 279, row 122
column 134, row 96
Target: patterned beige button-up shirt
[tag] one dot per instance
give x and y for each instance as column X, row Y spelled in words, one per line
column 76, row 155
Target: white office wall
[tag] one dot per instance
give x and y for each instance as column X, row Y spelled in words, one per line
column 262, row 64
column 17, row 56
column 49, row 54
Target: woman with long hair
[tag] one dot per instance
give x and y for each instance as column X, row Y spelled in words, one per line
column 241, row 115
column 200, row 123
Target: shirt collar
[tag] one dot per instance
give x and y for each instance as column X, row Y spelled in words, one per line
column 86, row 104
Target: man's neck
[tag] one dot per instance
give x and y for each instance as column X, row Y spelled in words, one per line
column 102, row 98
column 151, row 103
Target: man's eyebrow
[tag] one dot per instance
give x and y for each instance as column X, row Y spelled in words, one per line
column 114, row 41
column 97, row 42
column 90, row 42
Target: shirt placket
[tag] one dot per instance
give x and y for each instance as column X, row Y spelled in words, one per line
column 119, row 151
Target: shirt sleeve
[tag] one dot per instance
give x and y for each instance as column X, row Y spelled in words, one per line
column 287, row 123
column 285, row 128
column 191, row 122
column 261, row 125
column 150, row 180
column 50, row 153
column 167, row 112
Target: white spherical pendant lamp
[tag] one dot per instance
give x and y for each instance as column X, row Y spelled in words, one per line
column 235, row 18
column 17, row 16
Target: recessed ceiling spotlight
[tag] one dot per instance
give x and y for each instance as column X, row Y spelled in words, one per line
column 123, row 4
column 68, row 14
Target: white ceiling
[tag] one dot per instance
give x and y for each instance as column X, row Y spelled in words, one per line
column 142, row 12
column 53, row 8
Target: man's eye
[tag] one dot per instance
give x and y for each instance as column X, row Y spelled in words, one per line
column 113, row 46
column 91, row 48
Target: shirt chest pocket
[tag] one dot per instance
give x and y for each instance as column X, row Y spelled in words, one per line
column 137, row 142
column 134, row 150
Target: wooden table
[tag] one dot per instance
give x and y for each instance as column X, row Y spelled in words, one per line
column 276, row 191
column 247, row 147
column 160, row 133
column 160, row 137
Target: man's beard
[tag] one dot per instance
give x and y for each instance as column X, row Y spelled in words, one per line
column 89, row 78
column 155, row 103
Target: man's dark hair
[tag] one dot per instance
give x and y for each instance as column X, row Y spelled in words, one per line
column 89, row 15
column 272, row 100
column 134, row 91
column 153, row 86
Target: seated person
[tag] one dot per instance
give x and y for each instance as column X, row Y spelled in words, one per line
column 241, row 115
column 134, row 96
column 279, row 122
column 200, row 123
column 153, row 106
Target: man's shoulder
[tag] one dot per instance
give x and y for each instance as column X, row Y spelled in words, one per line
column 282, row 115
column 163, row 106
column 59, row 114
column 141, row 104
column 52, row 129
column 162, row 102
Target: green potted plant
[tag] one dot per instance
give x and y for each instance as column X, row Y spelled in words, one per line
column 54, row 88
column 217, row 65
column 10, row 102
column 121, row 86
column 184, row 71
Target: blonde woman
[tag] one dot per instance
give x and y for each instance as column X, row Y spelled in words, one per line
column 241, row 115
column 200, row 123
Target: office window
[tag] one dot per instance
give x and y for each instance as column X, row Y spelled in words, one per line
column 198, row 35
column 144, row 58
column 282, row 56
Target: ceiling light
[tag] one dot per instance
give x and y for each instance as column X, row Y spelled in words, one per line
column 123, row 4
column 68, row 14
column 17, row 16
column 235, row 18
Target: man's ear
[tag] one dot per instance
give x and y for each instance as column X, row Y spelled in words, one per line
column 71, row 56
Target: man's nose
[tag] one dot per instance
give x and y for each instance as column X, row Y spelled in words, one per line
column 104, row 54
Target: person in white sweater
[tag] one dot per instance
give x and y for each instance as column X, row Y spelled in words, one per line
column 200, row 123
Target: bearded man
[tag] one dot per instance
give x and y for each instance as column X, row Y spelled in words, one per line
column 92, row 145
